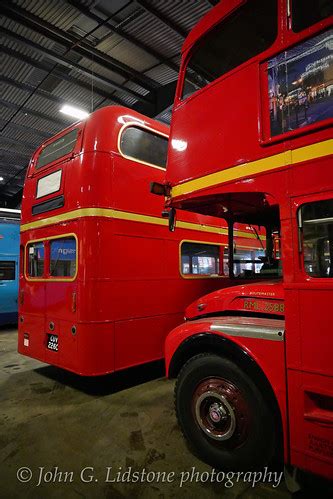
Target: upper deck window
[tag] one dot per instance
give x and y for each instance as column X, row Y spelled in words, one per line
column 144, row 146
column 300, row 84
column 243, row 35
column 58, row 148
column 305, row 14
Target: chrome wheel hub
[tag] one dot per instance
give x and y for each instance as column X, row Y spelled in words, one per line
column 217, row 412
column 221, row 412
column 215, row 415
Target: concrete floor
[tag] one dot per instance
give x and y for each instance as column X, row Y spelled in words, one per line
column 54, row 421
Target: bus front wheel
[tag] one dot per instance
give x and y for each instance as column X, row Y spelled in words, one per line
column 223, row 414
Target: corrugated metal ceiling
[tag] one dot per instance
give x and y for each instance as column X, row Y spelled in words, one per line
column 50, row 53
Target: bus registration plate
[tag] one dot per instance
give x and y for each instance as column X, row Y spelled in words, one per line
column 52, row 342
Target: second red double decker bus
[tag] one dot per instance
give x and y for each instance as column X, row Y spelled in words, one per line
column 102, row 279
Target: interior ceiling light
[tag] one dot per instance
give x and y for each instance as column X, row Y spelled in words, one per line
column 1, row 179
column 74, row 112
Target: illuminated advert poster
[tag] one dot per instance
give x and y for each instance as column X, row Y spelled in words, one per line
column 301, row 84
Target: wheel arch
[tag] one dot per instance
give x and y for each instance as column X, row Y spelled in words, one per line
column 220, row 345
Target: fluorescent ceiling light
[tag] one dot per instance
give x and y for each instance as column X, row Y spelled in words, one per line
column 9, row 210
column 74, row 112
column 1, row 179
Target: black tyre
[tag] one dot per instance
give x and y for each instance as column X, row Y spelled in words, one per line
column 223, row 415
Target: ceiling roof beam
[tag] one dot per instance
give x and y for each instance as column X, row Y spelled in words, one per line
column 62, row 76
column 126, row 36
column 36, row 114
column 15, row 166
column 162, row 17
column 11, row 155
column 58, row 59
column 75, row 44
column 18, row 142
column 21, row 128
column 30, row 88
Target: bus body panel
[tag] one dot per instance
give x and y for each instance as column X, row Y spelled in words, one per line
column 129, row 295
column 9, row 255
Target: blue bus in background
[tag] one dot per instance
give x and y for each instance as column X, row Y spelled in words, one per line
column 9, row 264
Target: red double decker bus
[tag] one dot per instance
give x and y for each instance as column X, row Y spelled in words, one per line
column 102, row 281
column 251, row 142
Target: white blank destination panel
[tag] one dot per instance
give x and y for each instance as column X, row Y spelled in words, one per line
column 49, row 184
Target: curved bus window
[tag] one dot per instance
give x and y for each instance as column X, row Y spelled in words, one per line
column 316, row 227
column 36, row 258
column 305, row 14
column 7, row 270
column 200, row 259
column 57, row 149
column 300, row 85
column 63, row 257
column 245, row 34
column 144, row 146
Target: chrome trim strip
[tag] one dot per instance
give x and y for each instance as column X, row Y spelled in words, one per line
column 247, row 331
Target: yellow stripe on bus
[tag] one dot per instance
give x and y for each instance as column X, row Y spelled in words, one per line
column 125, row 215
column 290, row 157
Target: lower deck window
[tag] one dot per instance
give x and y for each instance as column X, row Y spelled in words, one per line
column 36, row 258
column 63, row 257
column 316, row 225
column 200, row 259
column 7, row 270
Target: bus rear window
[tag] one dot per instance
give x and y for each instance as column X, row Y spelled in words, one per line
column 144, row 146
column 63, row 257
column 58, row 148
column 7, row 270
column 36, row 257
column 245, row 34
column 305, row 14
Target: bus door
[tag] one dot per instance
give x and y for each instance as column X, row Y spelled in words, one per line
column 309, row 335
column 61, row 300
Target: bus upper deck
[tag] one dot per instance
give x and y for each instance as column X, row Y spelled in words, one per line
column 261, row 101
